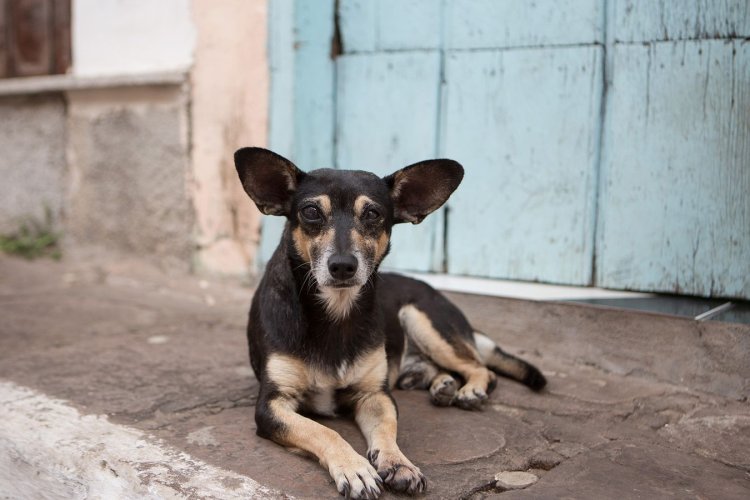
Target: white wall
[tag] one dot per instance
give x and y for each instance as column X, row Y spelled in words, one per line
column 116, row 37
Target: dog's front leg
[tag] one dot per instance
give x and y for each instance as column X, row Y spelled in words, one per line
column 278, row 420
column 376, row 416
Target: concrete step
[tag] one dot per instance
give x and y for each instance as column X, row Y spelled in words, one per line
column 120, row 379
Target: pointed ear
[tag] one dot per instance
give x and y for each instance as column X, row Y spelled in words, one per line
column 420, row 189
column 269, row 179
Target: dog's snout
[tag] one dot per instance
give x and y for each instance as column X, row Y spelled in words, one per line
column 342, row 266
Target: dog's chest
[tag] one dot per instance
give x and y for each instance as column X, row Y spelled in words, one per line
column 332, row 390
column 321, row 394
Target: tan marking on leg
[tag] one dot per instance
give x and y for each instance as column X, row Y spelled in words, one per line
column 376, row 416
column 369, row 372
column 351, row 472
column 289, row 374
column 420, row 330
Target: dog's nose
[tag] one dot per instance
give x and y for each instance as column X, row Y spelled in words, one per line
column 342, row 266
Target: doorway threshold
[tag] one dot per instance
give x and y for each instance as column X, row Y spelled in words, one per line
column 700, row 309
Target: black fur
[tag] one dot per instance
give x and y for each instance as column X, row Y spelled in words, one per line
column 287, row 316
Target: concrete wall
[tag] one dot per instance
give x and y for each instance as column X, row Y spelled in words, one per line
column 132, row 152
column 32, row 160
column 229, row 84
column 128, row 155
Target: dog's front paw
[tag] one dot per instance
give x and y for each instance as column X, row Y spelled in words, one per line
column 355, row 477
column 397, row 472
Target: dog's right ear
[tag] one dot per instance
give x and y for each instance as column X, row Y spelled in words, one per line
column 269, row 179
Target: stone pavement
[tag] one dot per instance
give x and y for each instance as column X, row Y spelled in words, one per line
column 120, row 381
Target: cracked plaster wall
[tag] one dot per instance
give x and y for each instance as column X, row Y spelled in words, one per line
column 32, row 160
column 146, row 168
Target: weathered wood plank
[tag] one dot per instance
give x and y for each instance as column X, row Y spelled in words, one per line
column 514, row 23
column 4, row 69
column 30, row 42
column 314, row 84
column 659, row 20
column 372, row 25
column 675, row 201
column 302, row 92
column 386, row 119
column 524, row 124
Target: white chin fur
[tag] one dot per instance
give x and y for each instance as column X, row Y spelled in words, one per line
column 339, row 301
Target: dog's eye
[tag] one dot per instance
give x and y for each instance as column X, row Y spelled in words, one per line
column 311, row 214
column 372, row 214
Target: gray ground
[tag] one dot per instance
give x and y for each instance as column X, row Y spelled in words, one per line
column 638, row 405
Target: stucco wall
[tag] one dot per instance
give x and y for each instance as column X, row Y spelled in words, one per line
column 229, row 84
column 113, row 37
column 128, row 158
column 132, row 152
column 32, row 162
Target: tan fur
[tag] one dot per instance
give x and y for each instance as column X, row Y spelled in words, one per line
column 289, row 374
column 377, row 419
column 382, row 246
column 334, row 453
column 381, row 243
column 420, row 330
column 302, row 242
column 296, row 380
column 324, row 201
column 359, row 241
column 360, row 203
column 339, row 301
column 294, row 377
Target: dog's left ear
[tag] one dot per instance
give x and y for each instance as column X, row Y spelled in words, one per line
column 269, row 179
column 420, row 189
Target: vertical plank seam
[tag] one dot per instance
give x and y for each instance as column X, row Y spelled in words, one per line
column 441, row 246
column 338, row 38
column 600, row 174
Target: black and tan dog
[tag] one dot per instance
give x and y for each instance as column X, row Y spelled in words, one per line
column 330, row 335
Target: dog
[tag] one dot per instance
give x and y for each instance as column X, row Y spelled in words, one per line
column 330, row 335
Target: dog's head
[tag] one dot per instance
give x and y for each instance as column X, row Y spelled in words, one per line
column 341, row 220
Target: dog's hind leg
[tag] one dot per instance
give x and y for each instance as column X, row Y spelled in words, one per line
column 507, row 365
column 416, row 372
column 419, row 372
column 457, row 356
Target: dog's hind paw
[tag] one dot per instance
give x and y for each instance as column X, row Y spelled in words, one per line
column 356, row 478
column 470, row 398
column 443, row 390
column 398, row 473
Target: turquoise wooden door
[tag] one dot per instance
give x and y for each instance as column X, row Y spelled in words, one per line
column 605, row 142
column 675, row 191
